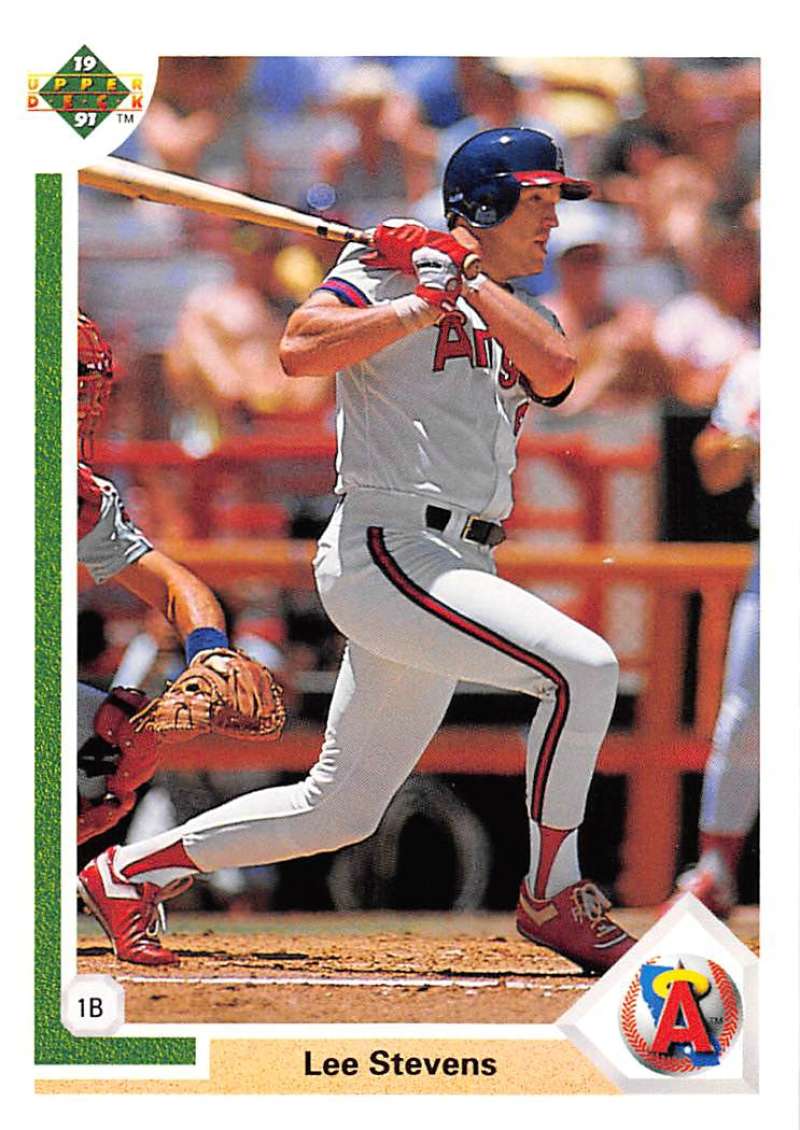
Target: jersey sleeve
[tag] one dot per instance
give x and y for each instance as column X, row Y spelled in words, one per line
column 357, row 283
column 115, row 541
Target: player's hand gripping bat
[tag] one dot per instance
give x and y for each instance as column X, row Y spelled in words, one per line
column 127, row 178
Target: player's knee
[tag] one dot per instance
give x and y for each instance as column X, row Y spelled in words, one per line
column 340, row 821
column 340, row 835
column 362, row 826
column 600, row 666
column 360, row 817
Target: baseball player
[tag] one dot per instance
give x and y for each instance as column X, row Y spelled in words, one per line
column 118, row 733
column 727, row 454
column 435, row 375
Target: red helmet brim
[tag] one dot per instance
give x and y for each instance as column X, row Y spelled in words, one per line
column 571, row 189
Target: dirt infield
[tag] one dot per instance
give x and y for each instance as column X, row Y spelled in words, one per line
column 354, row 968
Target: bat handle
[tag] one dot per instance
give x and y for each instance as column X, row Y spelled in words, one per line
column 469, row 268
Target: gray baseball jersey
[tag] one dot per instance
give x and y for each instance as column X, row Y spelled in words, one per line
column 475, row 399
column 113, row 542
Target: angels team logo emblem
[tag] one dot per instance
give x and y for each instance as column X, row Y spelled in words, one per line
column 681, row 1014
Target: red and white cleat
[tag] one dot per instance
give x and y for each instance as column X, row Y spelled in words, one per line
column 128, row 912
column 712, row 885
column 574, row 923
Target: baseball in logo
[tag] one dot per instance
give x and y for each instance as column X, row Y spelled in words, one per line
column 681, row 1014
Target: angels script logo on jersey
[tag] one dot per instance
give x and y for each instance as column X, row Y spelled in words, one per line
column 681, row 1014
column 453, row 341
column 84, row 93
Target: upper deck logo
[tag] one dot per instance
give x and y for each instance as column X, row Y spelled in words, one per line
column 681, row 1014
column 84, row 92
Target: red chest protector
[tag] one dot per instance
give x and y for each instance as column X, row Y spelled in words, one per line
column 89, row 500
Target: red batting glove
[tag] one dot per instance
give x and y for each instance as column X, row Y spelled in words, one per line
column 438, row 278
column 394, row 246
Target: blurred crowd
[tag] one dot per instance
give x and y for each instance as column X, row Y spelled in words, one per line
column 655, row 280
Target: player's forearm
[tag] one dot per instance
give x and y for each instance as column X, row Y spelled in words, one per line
column 181, row 597
column 540, row 351
column 322, row 339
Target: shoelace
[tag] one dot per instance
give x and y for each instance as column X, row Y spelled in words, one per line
column 590, row 905
column 145, row 923
column 157, row 921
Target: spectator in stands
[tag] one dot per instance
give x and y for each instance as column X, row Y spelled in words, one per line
column 636, row 144
column 620, row 381
column 661, row 202
column 582, row 97
column 702, row 332
column 720, row 100
column 365, row 161
column 222, row 363
column 195, row 123
column 493, row 94
column 432, row 81
column 619, row 367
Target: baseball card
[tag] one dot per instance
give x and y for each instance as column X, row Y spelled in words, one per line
column 397, row 676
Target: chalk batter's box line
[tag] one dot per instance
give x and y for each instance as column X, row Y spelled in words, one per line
column 350, row 982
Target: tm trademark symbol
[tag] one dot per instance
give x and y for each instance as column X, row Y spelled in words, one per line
column 125, row 119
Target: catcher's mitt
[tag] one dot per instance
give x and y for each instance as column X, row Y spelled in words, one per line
column 222, row 691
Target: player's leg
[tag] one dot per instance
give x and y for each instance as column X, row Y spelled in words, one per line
column 478, row 627
column 382, row 716
column 729, row 802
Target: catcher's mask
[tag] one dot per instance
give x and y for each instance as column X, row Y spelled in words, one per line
column 95, row 374
column 483, row 178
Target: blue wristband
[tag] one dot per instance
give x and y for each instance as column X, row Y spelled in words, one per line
column 202, row 638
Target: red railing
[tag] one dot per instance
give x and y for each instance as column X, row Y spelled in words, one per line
column 301, row 460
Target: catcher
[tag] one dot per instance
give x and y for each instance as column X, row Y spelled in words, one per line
column 221, row 689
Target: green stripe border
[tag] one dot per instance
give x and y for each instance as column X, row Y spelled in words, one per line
column 53, row 1044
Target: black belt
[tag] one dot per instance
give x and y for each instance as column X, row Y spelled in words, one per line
column 475, row 529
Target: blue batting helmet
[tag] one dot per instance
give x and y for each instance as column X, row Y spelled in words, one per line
column 484, row 176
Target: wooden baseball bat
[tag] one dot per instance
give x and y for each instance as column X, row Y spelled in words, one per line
column 127, row 178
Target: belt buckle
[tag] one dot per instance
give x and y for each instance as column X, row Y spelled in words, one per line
column 467, row 532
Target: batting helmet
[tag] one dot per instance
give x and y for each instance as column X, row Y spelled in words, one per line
column 483, row 178
column 95, row 374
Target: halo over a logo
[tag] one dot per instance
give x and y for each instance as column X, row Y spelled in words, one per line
column 680, row 1014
